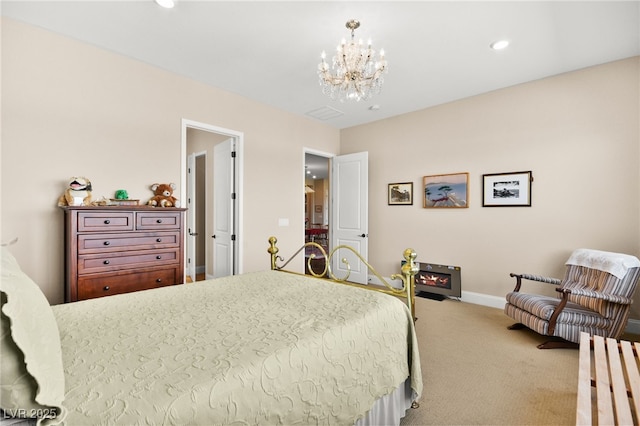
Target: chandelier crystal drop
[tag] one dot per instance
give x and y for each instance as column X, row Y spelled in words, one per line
column 355, row 73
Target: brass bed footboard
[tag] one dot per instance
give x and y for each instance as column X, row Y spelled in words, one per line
column 407, row 276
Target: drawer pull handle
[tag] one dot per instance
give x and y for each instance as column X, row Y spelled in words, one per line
column 107, row 221
column 106, row 288
column 106, row 243
column 158, row 257
column 159, row 240
column 159, row 221
column 159, row 280
column 106, row 262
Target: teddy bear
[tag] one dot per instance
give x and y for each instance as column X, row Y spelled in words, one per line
column 163, row 195
column 78, row 192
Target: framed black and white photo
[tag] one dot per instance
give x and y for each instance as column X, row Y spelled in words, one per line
column 507, row 189
column 400, row 194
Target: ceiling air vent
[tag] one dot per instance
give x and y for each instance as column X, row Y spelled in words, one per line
column 325, row 113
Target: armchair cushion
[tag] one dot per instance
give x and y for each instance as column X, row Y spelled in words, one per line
column 542, row 307
column 581, row 280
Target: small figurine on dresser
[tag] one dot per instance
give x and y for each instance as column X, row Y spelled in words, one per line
column 163, row 195
column 78, row 192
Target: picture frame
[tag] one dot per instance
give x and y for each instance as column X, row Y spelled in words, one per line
column 507, row 189
column 446, row 191
column 400, row 194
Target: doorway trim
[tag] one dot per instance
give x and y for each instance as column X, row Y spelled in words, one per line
column 239, row 181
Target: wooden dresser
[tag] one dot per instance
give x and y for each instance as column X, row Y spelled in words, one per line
column 112, row 250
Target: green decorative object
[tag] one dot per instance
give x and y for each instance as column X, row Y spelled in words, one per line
column 121, row 194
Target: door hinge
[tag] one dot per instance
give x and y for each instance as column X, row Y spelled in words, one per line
column 233, row 195
column 233, row 237
column 233, row 154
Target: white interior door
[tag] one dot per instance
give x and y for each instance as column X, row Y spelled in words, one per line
column 223, row 205
column 350, row 214
column 191, row 217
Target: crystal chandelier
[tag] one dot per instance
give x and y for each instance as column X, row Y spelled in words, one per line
column 355, row 74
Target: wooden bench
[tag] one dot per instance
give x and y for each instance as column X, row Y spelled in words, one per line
column 615, row 379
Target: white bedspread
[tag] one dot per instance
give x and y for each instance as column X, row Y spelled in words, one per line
column 260, row 348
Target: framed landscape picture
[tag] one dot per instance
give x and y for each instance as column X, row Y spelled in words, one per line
column 446, row 191
column 400, row 194
column 507, row 189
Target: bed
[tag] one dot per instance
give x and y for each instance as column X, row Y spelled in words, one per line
column 268, row 347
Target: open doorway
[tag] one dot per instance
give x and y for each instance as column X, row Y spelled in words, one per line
column 196, row 202
column 338, row 201
column 212, row 188
column 316, row 200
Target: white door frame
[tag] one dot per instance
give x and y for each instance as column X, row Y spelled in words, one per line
column 239, row 174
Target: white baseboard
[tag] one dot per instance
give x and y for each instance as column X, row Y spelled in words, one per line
column 483, row 299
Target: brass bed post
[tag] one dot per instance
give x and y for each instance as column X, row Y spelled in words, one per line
column 409, row 270
column 273, row 251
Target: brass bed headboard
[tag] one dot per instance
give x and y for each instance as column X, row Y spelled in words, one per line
column 407, row 276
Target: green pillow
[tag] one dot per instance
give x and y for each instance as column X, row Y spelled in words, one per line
column 31, row 371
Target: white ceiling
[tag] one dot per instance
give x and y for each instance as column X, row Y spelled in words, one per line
column 438, row 51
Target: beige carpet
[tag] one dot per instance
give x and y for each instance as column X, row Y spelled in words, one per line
column 477, row 372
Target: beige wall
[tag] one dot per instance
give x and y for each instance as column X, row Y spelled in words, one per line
column 69, row 108
column 577, row 132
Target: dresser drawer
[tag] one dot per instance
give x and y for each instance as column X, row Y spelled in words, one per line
column 90, row 287
column 105, row 262
column 101, row 243
column 105, row 221
column 158, row 220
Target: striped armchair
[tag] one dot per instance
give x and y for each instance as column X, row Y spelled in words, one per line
column 594, row 296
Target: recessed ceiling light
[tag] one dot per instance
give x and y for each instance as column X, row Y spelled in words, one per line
column 499, row 45
column 168, row 4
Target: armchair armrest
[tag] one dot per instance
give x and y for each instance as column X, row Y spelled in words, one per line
column 596, row 295
column 532, row 277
